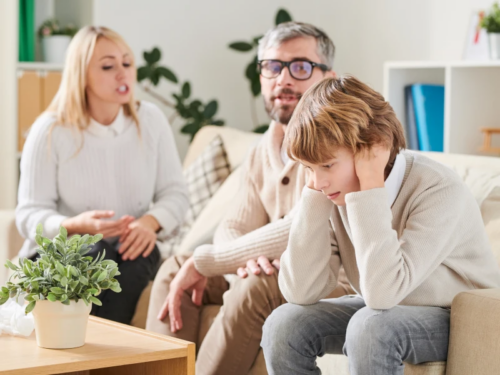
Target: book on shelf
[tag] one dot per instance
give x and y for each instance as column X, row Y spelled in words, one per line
column 425, row 117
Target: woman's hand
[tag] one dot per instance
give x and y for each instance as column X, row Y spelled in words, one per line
column 370, row 167
column 139, row 238
column 93, row 222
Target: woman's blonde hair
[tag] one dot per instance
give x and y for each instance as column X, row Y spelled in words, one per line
column 70, row 104
column 342, row 112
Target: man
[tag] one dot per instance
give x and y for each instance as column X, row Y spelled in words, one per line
column 250, row 240
column 406, row 228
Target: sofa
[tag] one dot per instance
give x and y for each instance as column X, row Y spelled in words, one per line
column 475, row 327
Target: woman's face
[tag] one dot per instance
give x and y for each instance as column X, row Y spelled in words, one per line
column 110, row 75
column 336, row 177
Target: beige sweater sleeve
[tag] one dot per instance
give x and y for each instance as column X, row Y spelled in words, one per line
column 310, row 265
column 245, row 233
column 391, row 268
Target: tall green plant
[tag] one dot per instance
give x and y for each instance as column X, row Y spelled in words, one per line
column 251, row 70
column 194, row 112
column 62, row 273
column 491, row 22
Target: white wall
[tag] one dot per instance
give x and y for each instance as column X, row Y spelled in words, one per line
column 193, row 36
column 8, row 93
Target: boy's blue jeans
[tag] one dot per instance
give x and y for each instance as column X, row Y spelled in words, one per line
column 377, row 342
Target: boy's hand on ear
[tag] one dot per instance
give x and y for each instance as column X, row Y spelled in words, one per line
column 370, row 167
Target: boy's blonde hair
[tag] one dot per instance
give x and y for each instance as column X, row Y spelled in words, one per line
column 341, row 112
column 70, row 104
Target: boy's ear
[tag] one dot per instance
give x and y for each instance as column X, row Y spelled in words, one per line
column 330, row 74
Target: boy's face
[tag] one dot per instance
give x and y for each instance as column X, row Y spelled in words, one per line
column 335, row 177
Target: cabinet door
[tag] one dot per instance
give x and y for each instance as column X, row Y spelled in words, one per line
column 29, row 103
column 51, row 83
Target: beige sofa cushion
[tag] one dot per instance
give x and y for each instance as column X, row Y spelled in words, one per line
column 203, row 229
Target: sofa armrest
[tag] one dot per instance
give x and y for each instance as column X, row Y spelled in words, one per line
column 475, row 333
column 10, row 240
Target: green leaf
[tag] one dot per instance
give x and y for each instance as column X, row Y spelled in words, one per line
column 261, row 129
column 52, row 297
column 210, row 109
column 60, row 268
column 93, row 291
column 30, row 307
column 153, row 56
column 74, row 271
column 241, row 46
column 66, row 302
column 167, row 74
column 115, row 287
column 96, row 238
column 255, row 86
column 186, row 90
column 56, row 290
column 95, row 301
column 64, row 281
column 84, row 280
column 102, row 276
column 64, row 297
column 39, row 229
column 11, row 265
column 143, row 73
column 190, row 128
column 283, row 16
column 63, row 233
column 251, row 71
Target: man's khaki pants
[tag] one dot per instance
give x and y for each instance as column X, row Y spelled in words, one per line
column 233, row 341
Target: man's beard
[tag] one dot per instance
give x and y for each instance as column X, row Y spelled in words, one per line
column 281, row 113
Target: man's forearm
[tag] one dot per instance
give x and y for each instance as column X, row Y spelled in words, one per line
column 220, row 259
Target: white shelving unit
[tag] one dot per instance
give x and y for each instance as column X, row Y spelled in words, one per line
column 472, row 97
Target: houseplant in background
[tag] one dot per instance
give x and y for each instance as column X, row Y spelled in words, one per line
column 60, row 287
column 251, row 70
column 55, row 40
column 193, row 112
column 491, row 22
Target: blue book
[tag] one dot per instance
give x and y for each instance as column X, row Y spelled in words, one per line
column 428, row 102
column 411, row 126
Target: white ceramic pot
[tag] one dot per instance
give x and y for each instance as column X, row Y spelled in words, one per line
column 59, row 326
column 494, row 45
column 54, row 48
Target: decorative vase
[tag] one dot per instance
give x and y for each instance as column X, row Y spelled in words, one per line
column 54, row 48
column 494, row 45
column 60, row 326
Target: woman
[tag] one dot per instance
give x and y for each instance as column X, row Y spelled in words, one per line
column 406, row 229
column 97, row 161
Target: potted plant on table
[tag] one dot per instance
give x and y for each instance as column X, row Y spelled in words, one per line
column 55, row 40
column 491, row 22
column 60, row 287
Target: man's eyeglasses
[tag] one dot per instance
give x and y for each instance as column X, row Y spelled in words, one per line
column 299, row 69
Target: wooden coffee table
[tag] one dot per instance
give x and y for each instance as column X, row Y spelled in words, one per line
column 110, row 348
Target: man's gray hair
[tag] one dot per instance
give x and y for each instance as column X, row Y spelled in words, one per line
column 291, row 30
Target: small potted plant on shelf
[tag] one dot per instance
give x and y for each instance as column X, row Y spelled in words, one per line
column 55, row 40
column 60, row 287
column 491, row 22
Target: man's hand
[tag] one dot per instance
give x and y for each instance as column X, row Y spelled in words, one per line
column 187, row 279
column 139, row 238
column 370, row 167
column 94, row 222
column 255, row 267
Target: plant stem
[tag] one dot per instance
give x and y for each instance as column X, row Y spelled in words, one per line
column 158, row 97
column 253, row 110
